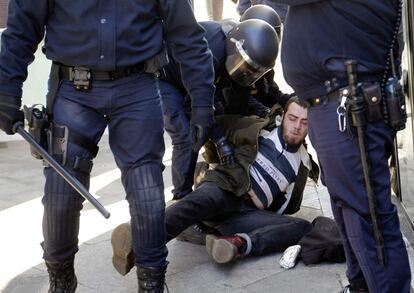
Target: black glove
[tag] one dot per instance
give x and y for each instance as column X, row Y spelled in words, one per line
column 202, row 121
column 10, row 113
column 268, row 93
column 263, row 112
column 225, row 151
column 257, row 108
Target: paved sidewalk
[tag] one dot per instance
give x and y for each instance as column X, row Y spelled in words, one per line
column 191, row 269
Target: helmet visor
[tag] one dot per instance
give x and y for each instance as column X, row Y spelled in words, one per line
column 242, row 68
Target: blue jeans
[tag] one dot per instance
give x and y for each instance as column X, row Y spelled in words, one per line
column 268, row 232
column 131, row 109
column 342, row 173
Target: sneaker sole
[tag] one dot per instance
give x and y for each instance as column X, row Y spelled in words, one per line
column 221, row 250
column 123, row 256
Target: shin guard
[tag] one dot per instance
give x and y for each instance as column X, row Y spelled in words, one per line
column 145, row 195
column 62, row 205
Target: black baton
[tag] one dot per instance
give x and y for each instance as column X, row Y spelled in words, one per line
column 18, row 127
column 356, row 107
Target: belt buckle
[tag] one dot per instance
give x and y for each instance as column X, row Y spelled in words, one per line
column 81, row 77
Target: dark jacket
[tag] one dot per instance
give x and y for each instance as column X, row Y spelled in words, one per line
column 230, row 98
column 105, row 35
column 243, row 133
column 319, row 35
column 216, row 41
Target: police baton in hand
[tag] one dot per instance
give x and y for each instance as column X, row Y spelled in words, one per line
column 356, row 107
column 19, row 128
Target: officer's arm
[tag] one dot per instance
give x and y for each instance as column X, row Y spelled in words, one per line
column 257, row 108
column 277, row 96
column 268, row 91
column 25, row 30
column 190, row 49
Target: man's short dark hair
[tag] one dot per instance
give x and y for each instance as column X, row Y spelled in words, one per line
column 295, row 99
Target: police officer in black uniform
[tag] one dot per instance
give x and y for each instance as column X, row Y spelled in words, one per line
column 319, row 37
column 265, row 90
column 242, row 54
column 106, row 56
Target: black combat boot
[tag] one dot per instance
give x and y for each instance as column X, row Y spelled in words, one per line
column 356, row 285
column 62, row 277
column 349, row 289
column 151, row 280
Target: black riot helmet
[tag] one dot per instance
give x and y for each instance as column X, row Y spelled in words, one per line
column 266, row 13
column 252, row 48
column 228, row 24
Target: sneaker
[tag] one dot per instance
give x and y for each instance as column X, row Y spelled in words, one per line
column 123, row 256
column 196, row 234
column 224, row 249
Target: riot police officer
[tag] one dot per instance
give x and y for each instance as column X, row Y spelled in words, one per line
column 106, row 57
column 333, row 32
column 266, row 13
column 265, row 90
column 242, row 54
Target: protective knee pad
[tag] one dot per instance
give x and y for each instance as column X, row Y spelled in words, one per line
column 145, row 194
column 62, row 205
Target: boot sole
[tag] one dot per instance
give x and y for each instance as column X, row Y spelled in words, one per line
column 191, row 239
column 221, row 250
column 123, row 255
column 186, row 236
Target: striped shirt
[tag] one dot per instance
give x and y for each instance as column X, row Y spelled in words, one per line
column 274, row 170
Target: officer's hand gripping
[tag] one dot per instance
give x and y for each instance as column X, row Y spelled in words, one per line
column 202, row 121
column 225, row 151
column 10, row 113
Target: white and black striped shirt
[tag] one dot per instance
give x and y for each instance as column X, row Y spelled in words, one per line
column 274, row 170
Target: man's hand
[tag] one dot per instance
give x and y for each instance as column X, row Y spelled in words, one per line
column 225, row 151
column 202, row 121
column 10, row 113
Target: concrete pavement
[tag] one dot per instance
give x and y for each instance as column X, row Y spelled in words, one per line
column 190, row 269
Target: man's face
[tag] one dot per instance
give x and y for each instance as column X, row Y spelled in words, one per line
column 295, row 124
